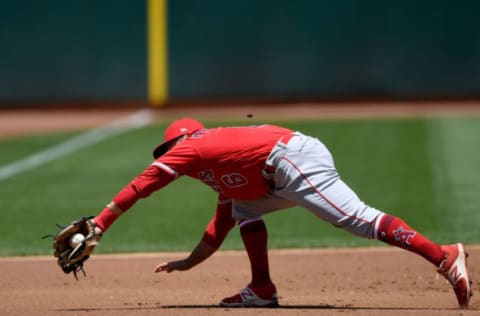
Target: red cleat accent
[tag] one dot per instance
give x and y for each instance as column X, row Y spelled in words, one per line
column 454, row 269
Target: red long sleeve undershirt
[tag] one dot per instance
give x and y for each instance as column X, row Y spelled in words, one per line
column 220, row 224
column 150, row 180
column 154, row 178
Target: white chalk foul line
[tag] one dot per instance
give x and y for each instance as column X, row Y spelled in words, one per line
column 136, row 120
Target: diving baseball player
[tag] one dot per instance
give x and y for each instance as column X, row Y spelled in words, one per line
column 261, row 169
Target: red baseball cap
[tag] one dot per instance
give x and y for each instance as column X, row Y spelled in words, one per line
column 176, row 129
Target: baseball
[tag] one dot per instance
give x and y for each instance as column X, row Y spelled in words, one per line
column 76, row 239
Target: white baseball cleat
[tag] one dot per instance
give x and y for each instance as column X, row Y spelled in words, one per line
column 454, row 269
column 248, row 298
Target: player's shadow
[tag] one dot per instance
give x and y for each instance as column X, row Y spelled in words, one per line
column 313, row 307
column 292, row 307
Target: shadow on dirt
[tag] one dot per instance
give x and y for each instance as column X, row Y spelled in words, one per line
column 289, row 307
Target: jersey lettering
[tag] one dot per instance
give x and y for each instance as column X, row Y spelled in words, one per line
column 234, row 180
column 207, row 177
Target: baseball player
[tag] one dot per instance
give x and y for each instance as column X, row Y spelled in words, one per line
column 261, row 169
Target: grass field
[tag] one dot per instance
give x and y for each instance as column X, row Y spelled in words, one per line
column 424, row 170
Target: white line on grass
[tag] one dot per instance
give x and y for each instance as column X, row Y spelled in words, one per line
column 136, row 120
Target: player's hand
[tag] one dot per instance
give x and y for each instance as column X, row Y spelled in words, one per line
column 178, row 265
column 200, row 253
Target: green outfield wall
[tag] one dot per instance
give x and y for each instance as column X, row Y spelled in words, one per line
column 220, row 50
column 54, row 50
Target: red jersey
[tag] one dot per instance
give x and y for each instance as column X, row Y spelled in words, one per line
column 228, row 159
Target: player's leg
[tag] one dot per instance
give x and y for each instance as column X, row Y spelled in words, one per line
column 340, row 206
column 255, row 238
column 309, row 179
column 261, row 291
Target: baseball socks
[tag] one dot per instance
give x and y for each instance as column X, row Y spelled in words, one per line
column 394, row 231
column 450, row 260
column 254, row 236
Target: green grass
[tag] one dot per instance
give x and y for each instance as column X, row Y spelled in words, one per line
column 423, row 170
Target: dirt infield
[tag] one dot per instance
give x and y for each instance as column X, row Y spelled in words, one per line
column 377, row 281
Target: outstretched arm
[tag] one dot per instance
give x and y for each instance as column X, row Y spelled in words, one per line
column 151, row 179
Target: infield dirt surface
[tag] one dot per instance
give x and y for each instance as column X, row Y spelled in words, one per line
column 362, row 281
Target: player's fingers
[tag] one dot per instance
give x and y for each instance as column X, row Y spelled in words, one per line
column 162, row 267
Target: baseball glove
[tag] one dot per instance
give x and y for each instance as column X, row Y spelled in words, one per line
column 71, row 259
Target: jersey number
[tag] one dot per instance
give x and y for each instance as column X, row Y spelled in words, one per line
column 234, row 180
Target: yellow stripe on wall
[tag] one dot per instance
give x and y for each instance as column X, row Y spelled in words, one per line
column 157, row 52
